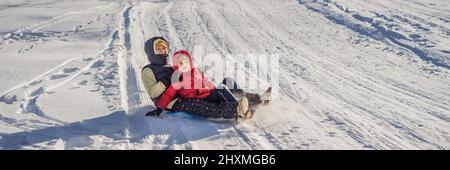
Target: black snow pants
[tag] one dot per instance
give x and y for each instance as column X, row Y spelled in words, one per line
column 221, row 95
column 254, row 99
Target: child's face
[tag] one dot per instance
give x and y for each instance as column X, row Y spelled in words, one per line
column 183, row 63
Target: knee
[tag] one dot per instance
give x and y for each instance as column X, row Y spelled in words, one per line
column 229, row 82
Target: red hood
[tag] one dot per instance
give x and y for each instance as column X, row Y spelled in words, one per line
column 175, row 58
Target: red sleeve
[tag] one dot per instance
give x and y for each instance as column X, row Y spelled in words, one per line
column 208, row 84
column 167, row 96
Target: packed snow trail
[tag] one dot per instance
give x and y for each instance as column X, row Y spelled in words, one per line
column 353, row 75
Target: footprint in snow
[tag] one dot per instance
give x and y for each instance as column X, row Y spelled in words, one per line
column 57, row 76
column 70, row 69
column 9, row 98
column 84, row 82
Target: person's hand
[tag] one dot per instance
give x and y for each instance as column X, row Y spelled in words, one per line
column 155, row 112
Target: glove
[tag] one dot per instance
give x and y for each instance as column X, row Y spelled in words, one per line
column 155, row 112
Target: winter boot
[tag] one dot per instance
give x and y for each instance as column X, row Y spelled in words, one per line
column 243, row 111
column 266, row 97
column 255, row 100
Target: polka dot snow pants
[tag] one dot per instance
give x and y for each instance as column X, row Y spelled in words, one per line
column 226, row 110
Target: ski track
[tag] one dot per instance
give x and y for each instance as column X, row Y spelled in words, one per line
column 333, row 93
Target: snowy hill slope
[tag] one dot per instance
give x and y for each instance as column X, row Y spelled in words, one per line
column 353, row 74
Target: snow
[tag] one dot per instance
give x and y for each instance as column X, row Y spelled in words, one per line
column 352, row 74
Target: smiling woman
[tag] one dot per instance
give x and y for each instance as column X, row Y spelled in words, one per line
column 161, row 47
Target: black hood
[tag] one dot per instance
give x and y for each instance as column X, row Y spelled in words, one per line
column 155, row 59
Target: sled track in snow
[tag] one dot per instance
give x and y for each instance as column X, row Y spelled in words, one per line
column 134, row 97
column 166, row 132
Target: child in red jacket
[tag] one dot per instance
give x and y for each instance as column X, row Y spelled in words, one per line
column 193, row 84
